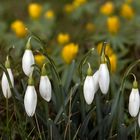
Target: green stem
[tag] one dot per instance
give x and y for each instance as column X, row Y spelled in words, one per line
column 38, row 127
column 7, row 120
column 135, row 131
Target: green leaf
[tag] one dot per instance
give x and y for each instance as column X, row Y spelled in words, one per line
column 72, row 92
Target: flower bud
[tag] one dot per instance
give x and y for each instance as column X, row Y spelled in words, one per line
column 104, row 78
column 28, row 60
column 45, row 88
column 5, row 83
column 134, row 101
column 88, row 88
column 30, row 98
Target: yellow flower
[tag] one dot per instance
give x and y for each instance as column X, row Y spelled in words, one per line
column 40, row 59
column 108, row 49
column 68, row 8
column 127, row 11
column 49, row 14
column 34, row 10
column 77, row 3
column 63, row 38
column 112, row 56
column 113, row 62
column 107, row 8
column 113, row 24
column 69, row 52
column 90, row 27
column 129, row 1
column 19, row 28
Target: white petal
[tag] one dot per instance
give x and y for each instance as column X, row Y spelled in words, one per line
column 45, row 88
column 104, row 78
column 96, row 80
column 5, row 84
column 27, row 62
column 30, row 100
column 134, row 102
column 89, row 90
column 139, row 119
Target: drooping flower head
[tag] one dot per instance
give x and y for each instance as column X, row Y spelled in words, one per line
column 45, row 88
column 134, row 100
column 28, row 59
column 30, row 98
column 88, row 88
column 5, row 82
column 104, row 78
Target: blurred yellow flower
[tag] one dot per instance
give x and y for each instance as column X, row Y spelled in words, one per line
column 129, row 1
column 34, row 10
column 68, row 8
column 112, row 56
column 69, row 52
column 77, row 3
column 40, row 59
column 108, row 49
column 49, row 14
column 19, row 28
column 107, row 8
column 127, row 11
column 63, row 38
column 113, row 62
column 113, row 24
column 90, row 27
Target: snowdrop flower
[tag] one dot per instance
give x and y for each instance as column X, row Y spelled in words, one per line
column 4, row 83
column 30, row 98
column 89, row 88
column 104, row 78
column 134, row 100
column 45, row 88
column 28, row 59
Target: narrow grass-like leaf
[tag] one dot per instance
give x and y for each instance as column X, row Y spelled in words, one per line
column 72, row 92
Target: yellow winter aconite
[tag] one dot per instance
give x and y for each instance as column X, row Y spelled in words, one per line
column 49, row 14
column 90, row 27
column 107, row 8
column 127, row 11
column 113, row 24
column 108, row 49
column 112, row 56
column 40, row 59
column 113, row 62
column 77, row 3
column 63, row 38
column 69, row 52
column 68, row 8
column 19, row 28
column 34, row 10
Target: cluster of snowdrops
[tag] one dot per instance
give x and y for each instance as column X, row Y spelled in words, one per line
column 100, row 79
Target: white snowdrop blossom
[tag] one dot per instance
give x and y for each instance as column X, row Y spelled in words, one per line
column 104, row 78
column 30, row 100
column 45, row 88
column 5, row 84
column 27, row 62
column 134, row 102
column 89, row 89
